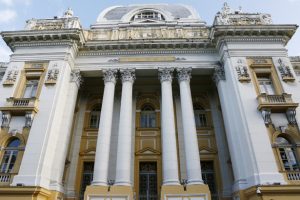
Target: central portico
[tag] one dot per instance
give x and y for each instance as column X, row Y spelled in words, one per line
column 156, row 162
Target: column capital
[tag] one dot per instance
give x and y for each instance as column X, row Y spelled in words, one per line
column 184, row 74
column 127, row 75
column 165, row 74
column 110, row 75
column 219, row 74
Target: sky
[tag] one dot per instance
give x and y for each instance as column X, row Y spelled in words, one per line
column 14, row 13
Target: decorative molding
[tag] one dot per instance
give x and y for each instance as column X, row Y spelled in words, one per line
column 52, row 75
column 6, row 117
column 132, row 52
column 76, row 77
column 285, row 71
column 114, row 60
column 229, row 17
column 184, row 74
column 180, row 59
column 242, row 71
column 259, row 61
column 127, row 75
column 11, row 77
column 110, row 75
column 28, row 119
column 165, row 74
column 266, row 115
column 219, row 74
column 291, row 116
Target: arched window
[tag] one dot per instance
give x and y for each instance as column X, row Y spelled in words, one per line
column 10, row 156
column 287, row 154
column 95, row 116
column 148, row 117
column 148, row 15
column 200, row 116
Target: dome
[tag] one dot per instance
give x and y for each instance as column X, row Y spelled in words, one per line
column 156, row 12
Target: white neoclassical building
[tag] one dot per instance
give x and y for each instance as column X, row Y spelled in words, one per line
column 150, row 103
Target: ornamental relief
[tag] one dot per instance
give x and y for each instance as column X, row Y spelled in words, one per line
column 138, row 33
column 285, row 71
column 11, row 77
column 242, row 71
column 52, row 75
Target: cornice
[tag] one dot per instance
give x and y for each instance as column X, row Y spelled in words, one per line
column 43, row 37
column 249, row 33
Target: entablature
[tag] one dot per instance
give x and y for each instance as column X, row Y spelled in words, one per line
column 31, row 37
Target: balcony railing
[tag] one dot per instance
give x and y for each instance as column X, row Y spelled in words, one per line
column 276, row 102
column 293, row 176
column 6, row 178
column 20, row 104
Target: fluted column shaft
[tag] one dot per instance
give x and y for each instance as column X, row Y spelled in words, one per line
column 104, row 133
column 123, row 172
column 169, row 145
column 193, row 166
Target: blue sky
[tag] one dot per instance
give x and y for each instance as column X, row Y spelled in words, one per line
column 14, row 13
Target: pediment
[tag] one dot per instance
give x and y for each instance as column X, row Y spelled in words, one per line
column 207, row 150
column 147, row 151
column 90, row 151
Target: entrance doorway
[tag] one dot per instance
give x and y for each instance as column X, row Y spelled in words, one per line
column 148, row 181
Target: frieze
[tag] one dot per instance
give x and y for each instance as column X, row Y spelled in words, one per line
column 142, row 33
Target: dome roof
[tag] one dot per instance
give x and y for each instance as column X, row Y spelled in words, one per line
column 167, row 12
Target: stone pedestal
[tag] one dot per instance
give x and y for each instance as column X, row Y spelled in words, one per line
column 116, row 192
column 194, row 192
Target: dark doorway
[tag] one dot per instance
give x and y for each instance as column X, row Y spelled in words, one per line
column 148, row 181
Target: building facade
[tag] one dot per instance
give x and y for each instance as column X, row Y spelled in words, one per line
column 150, row 103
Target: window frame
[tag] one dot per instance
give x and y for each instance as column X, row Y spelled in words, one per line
column 10, row 151
column 98, row 116
column 150, row 115
column 285, row 150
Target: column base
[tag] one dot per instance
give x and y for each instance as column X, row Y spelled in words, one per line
column 276, row 192
column 28, row 193
column 179, row 192
column 116, row 192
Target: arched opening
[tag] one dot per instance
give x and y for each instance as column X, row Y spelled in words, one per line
column 10, row 156
column 148, row 116
column 148, row 15
column 288, row 154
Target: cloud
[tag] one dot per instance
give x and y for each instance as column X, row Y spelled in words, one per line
column 7, row 15
column 4, row 53
column 13, row 2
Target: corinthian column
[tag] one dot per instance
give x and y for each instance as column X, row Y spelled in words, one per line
column 169, row 145
column 191, row 148
column 104, row 133
column 125, row 129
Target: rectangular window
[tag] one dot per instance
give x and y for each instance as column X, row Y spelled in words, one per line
column 200, row 119
column 265, row 84
column 31, row 88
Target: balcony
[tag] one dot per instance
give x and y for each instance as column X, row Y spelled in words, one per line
column 276, row 103
column 6, row 178
column 20, row 105
column 293, row 175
